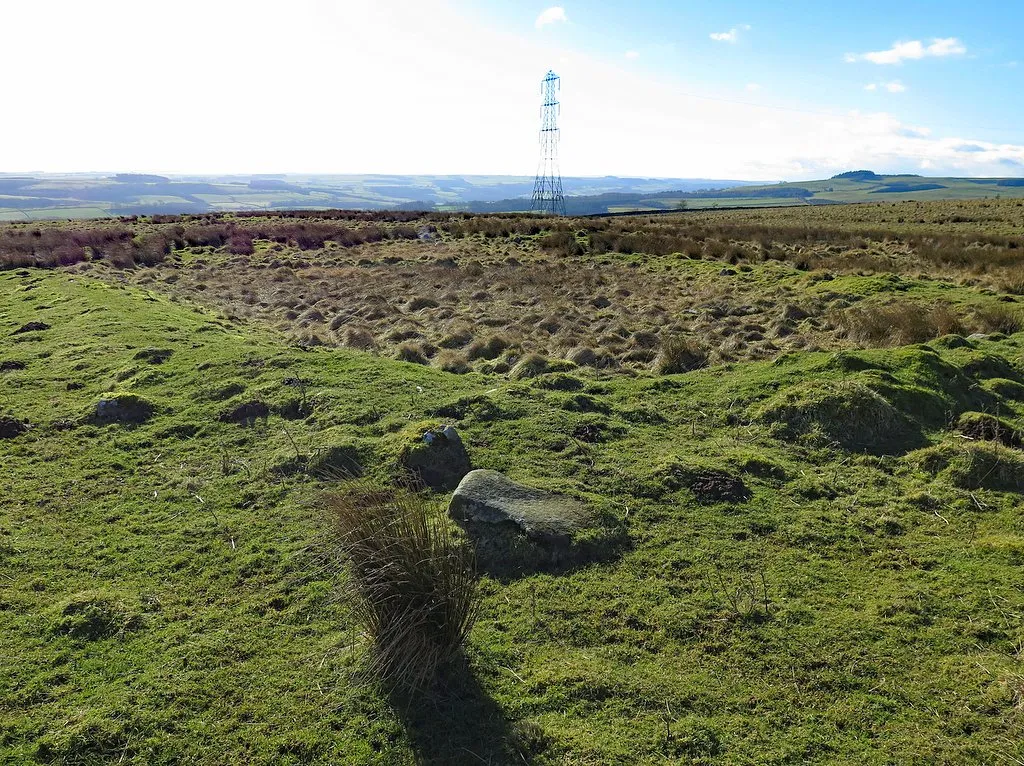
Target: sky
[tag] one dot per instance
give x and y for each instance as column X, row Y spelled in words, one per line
column 748, row 89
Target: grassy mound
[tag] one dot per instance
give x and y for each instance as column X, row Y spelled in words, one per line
column 846, row 412
column 94, row 615
column 981, row 426
column 974, row 465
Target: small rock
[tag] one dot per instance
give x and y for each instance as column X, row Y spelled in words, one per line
column 727, row 273
column 10, row 365
column 11, row 427
column 490, row 497
column 246, row 414
column 977, row 336
column 123, row 408
column 31, row 327
column 439, row 460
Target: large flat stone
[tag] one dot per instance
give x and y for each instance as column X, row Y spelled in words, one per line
column 490, row 497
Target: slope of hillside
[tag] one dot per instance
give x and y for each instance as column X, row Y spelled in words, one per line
column 854, row 187
column 820, row 552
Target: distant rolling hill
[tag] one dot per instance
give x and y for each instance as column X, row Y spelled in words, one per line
column 37, row 197
column 40, row 197
column 845, row 188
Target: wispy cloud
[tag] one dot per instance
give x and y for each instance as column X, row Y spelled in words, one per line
column 752, row 87
column 732, row 35
column 632, row 54
column 552, row 15
column 893, row 86
column 911, row 50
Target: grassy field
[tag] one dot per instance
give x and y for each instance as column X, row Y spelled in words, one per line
column 823, row 519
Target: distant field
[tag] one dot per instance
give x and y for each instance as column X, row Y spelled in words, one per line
column 56, row 196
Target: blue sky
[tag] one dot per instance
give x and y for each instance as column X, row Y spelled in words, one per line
column 743, row 90
column 795, row 53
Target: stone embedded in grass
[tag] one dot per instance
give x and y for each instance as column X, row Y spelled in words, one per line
column 10, row 365
column 435, row 458
column 123, row 408
column 490, row 497
column 12, row 427
column 31, row 327
column 246, row 414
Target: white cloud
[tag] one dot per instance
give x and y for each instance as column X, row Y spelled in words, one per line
column 632, row 55
column 893, row 86
column 911, row 50
column 550, row 15
column 753, row 86
column 946, row 46
column 731, row 36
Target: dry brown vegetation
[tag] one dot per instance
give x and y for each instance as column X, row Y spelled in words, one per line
column 661, row 292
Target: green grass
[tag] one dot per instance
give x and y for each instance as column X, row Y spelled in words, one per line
column 166, row 597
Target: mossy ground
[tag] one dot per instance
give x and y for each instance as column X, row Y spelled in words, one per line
column 165, row 597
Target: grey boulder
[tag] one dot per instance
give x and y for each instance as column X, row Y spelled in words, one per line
column 490, row 497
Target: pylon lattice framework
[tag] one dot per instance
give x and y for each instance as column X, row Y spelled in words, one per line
column 547, row 188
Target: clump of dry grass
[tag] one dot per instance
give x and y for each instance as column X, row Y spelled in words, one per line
column 490, row 348
column 357, row 337
column 412, row 583
column 410, row 352
column 679, row 354
column 456, row 338
column 530, row 366
column 899, row 323
column 1000, row 317
column 453, row 361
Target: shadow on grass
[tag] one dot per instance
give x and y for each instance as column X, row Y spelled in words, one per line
column 504, row 553
column 458, row 723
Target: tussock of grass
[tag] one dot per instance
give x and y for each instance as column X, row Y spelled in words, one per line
column 974, row 464
column 411, row 352
column 92, row 615
column 846, row 412
column 1000, row 317
column 899, row 323
column 530, row 366
column 679, row 354
column 412, row 583
column 453, row 361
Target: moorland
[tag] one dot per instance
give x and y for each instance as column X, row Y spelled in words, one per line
column 804, row 423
